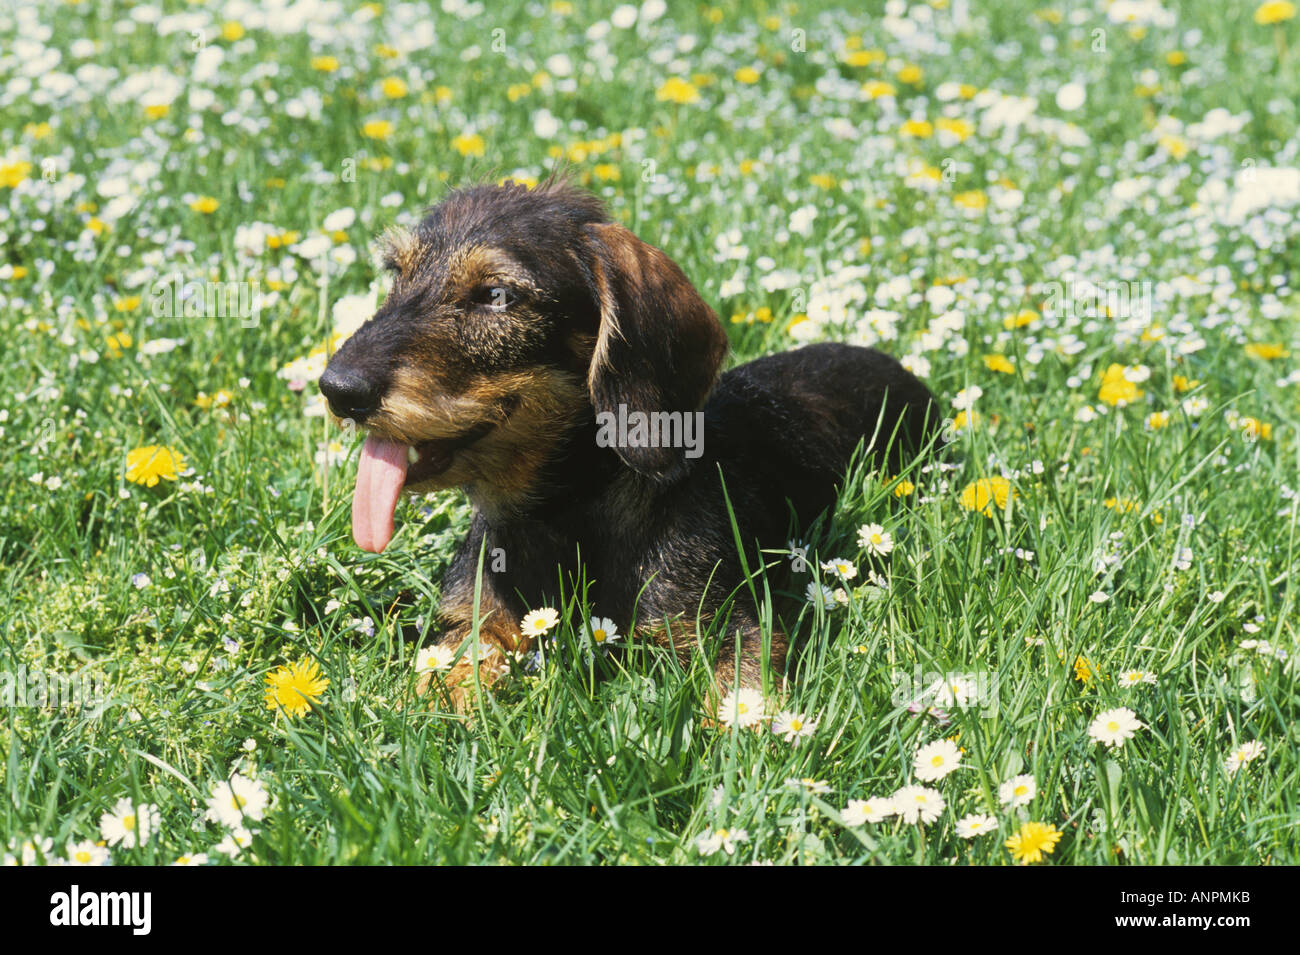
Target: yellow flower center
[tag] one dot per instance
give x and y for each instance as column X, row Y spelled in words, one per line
column 1112, row 726
column 796, row 725
column 742, row 708
column 936, row 761
column 598, row 636
column 128, row 823
column 82, row 856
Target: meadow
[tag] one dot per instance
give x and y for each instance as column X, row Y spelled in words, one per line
column 1071, row 639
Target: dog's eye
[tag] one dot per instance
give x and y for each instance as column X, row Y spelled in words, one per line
column 496, row 297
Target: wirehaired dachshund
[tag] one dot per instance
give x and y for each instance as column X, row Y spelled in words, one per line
column 565, row 374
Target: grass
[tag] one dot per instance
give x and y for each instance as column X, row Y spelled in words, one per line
column 1128, row 542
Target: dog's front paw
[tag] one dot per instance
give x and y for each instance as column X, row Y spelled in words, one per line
column 455, row 686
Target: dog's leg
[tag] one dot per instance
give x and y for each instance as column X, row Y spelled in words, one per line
column 499, row 640
column 747, row 663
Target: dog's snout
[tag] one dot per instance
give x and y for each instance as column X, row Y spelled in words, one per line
column 350, row 395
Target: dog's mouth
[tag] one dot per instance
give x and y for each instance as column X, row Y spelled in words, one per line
column 386, row 467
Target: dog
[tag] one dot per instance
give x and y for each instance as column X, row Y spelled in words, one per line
column 565, row 375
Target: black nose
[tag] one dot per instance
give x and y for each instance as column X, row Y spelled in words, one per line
column 350, row 395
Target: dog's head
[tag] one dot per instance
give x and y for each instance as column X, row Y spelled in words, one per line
column 514, row 314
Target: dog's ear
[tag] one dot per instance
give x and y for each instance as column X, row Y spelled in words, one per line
column 659, row 347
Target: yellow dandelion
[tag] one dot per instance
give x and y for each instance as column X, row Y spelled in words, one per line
column 1032, row 841
column 955, row 126
column 1254, row 429
column 116, row 344
column 910, row 74
column 470, row 144
column 325, row 64
column 1266, row 350
column 999, row 363
column 222, row 398
column 377, row 129
column 986, row 494
column 1157, row 420
column 1116, row 389
column 205, row 205
column 152, row 463
column 676, row 90
column 393, row 87
column 747, row 74
column 1274, row 11
column 295, row 688
column 1083, row 670
column 904, row 488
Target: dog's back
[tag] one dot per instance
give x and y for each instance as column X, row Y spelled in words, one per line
column 797, row 418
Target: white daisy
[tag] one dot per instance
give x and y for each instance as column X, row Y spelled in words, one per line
column 968, row 827
column 87, row 852
column 603, row 631
column 128, row 824
column 819, row 595
column 1243, row 754
column 793, row 726
column 236, row 841
column 742, row 708
column 936, row 760
column 841, row 568
column 1018, row 791
column 1113, row 727
column 538, row 622
column 918, row 804
column 724, row 839
column 431, row 659
column 817, row 787
column 30, row 851
column 1130, row 678
column 237, row 800
column 873, row 538
column 798, row 554
column 954, row 691
column 860, row 811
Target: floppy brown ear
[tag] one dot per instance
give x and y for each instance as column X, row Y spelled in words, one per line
column 659, row 347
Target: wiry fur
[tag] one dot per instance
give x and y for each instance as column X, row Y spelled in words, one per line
column 596, row 319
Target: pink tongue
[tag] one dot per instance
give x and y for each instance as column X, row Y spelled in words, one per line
column 380, row 476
